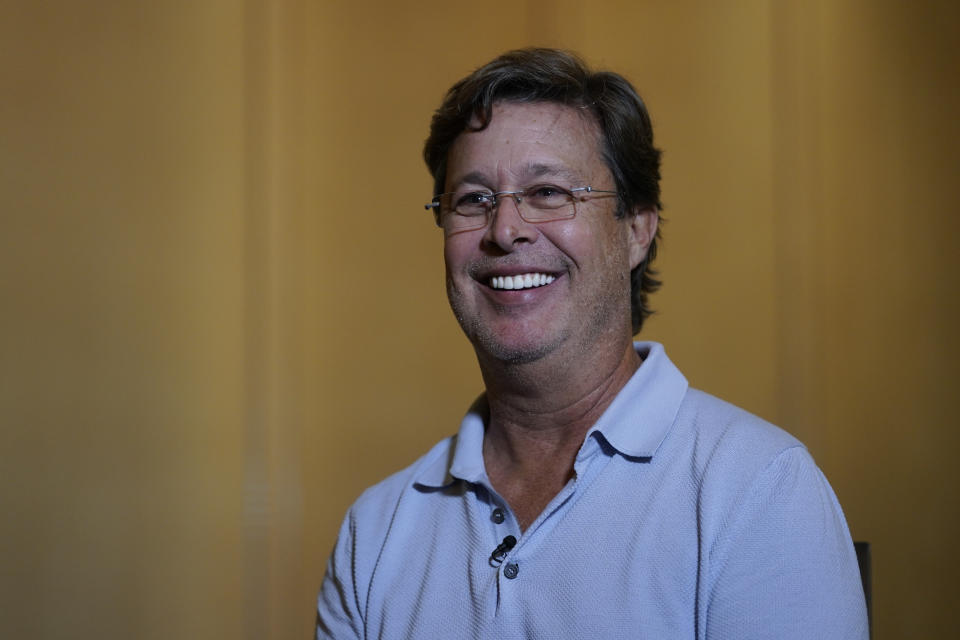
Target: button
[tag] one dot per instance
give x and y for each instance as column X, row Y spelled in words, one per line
column 497, row 516
column 511, row 570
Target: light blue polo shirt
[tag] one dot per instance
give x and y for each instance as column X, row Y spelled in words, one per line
column 686, row 518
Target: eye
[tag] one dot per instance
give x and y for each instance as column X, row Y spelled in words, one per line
column 547, row 196
column 472, row 203
column 473, row 198
column 544, row 191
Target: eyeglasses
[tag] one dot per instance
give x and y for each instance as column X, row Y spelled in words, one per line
column 464, row 210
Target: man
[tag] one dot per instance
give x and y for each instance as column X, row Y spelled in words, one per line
column 589, row 493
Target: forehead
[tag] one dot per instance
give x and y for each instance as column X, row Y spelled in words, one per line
column 524, row 141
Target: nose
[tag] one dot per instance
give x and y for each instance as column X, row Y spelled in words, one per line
column 506, row 227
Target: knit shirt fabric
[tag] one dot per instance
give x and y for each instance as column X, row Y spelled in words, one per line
column 686, row 518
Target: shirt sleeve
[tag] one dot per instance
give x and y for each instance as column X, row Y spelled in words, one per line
column 784, row 566
column 338, row 605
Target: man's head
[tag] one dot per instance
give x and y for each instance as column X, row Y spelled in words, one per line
column 551, row 76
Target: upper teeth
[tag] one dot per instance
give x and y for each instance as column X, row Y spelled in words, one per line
column 523, row 281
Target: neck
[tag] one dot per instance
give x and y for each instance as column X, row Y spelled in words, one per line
column 540, row 413
column 543, row 409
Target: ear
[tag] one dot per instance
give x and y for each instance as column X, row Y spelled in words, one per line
column 641, row 230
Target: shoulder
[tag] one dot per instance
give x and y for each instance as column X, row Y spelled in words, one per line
column 770, row 527
column 344, row 594
column 727, row 439
column 737, row 460
column 748, row 471
column 431, row 466
column 376, row 505
column 714, row 419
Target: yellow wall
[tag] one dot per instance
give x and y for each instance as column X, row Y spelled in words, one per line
column 221, row 302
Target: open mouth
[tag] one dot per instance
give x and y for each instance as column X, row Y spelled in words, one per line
column 521, row 281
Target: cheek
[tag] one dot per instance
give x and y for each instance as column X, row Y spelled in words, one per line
column 458, row 252
column 452, row 253
column 573, row 241
column 597, row 247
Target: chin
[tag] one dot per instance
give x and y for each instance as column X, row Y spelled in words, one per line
column 511, row 339
column 512, row 354
column 508, row 349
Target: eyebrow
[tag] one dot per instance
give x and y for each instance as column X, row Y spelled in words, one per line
column 560, row 171
column 528, row 172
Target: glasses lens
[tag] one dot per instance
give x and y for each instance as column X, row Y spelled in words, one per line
column 468, row 210
column 542, row 203
column 463, row 211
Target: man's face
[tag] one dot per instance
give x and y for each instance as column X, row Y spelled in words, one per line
column 586, row 305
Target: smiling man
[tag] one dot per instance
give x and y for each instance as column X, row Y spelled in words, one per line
column 589, row 492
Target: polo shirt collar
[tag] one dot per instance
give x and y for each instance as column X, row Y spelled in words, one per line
column 634, row 424
column 464, row 459
column 467, row 462
column 639, row 418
